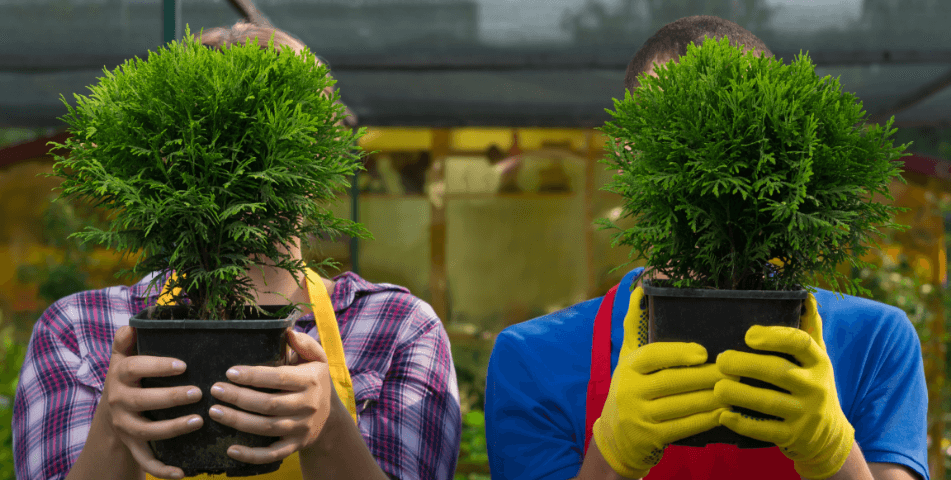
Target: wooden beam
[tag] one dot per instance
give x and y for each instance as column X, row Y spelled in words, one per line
column 921, row 94
column 592, row 155
column 487, row 59
column 438, row 274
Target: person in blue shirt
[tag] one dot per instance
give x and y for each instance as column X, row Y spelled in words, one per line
column 580, row 394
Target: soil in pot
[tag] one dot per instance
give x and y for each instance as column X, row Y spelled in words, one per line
column 209, row 348
column 718, row 320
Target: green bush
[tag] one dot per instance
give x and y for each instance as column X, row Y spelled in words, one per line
column 729, row 160
column 208, row 160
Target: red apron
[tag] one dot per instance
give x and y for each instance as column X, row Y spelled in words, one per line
column 713, row 462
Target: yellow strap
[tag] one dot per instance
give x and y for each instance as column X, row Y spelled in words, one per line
column 330, row 339
column 329, row 333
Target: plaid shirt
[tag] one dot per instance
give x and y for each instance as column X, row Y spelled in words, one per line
column 396, row 349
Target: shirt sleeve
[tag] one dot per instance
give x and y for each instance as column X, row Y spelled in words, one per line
column 890, row 416
column 55, row 399
column 415, row 428
column 527, row 436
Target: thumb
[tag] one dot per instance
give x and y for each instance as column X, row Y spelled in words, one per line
column 306, row 348
column 811, row 322
column 124, row 342
column 635, row 324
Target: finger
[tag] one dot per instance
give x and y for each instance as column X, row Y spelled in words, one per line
column 145, row 430
column 635, row 323
column 773, row 431
column 144, row 399
column 791, row 341
column 810, row 321
column 306, row 347
column 123, row 344
column 259, row 455
column 684, row 427
column 256, row 424
column 151, row 465
column 770, row 402
column 251, row 400
column 672, row 381
column 141, row 366
column 683, row 405
column 292, row 357
column 660, row 355
column 768, row 368
column 289, row 378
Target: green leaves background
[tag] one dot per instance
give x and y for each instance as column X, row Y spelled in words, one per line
column 736, row 159
column 209, row 160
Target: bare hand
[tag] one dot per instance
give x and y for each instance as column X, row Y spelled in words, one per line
column 125, row 399
column 297, row 415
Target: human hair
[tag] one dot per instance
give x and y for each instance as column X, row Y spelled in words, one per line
column 670, row 42
column 219, row 37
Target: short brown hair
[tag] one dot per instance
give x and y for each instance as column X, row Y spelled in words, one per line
column 219, row 37
column 670, row 42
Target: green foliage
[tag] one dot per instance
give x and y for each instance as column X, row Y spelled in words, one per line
column 736, row 159
column 472, row 449
column 897, row 283
column 12, row 355
column 473, row 438
column 209, row 161
column 58, row 278
column 471, row 359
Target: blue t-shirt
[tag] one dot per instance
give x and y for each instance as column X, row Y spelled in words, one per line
column 539, row 370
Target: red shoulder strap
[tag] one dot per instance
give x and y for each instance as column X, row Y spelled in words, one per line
column 600, row 381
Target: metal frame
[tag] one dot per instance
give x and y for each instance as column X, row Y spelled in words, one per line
column 606, row 58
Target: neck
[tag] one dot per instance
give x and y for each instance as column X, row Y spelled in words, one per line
column 276, row 286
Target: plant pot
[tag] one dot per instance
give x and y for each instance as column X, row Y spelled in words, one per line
column 209, row 348
column 718, row 320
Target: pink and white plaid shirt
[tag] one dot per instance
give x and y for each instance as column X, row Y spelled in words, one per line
column 396, row 349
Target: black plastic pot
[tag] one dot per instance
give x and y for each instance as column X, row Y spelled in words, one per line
column 209, row 348
column 718, row 320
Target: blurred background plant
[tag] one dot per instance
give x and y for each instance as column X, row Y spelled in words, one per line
column 899, row 281
column 64, row 267
column 68, row 270
column 470, row 354
column 11, row 357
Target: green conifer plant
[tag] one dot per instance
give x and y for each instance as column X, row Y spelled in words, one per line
column 730, row 160
column 208, row 162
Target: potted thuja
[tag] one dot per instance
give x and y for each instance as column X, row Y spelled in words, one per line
column 747, row 181
column 211, row 163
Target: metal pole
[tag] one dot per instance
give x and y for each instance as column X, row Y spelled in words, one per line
column 171, row 20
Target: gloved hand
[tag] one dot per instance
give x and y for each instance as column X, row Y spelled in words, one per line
column 814, row 432
column 650, row 403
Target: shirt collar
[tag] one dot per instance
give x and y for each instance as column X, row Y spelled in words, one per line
column 141, row 289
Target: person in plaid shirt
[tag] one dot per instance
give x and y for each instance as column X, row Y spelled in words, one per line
column 396, row 349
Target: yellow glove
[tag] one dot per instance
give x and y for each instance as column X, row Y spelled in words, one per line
column 651, row 404
column 814, row 432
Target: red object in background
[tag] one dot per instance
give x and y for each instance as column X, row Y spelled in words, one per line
column 930, row 166
column 25, row 298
